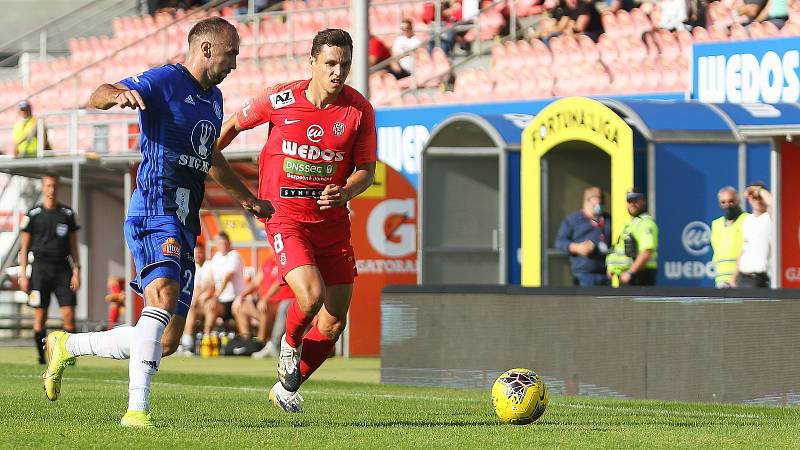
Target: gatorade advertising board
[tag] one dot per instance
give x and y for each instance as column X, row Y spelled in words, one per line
column 384, row 238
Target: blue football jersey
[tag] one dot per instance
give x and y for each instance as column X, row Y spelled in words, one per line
column 179, row 126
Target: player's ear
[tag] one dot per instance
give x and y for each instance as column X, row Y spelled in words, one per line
column 205, row 47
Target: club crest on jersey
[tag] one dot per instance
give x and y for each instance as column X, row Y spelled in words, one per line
column 171, row 247
column 203, row 136
column 217, row 109
column 314, row 133
column 338, row 129
column 281, row 99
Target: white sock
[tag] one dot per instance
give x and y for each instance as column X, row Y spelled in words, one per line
column 114, row 343
column 187, row 341
column 145, row 355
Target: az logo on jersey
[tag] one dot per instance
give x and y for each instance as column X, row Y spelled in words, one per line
column 281, row 99
column 314, row 133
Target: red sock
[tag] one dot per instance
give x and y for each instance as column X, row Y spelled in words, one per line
column 296, row 324
column 316, row 349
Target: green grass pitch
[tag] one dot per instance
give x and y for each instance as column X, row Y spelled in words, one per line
column 222, row 403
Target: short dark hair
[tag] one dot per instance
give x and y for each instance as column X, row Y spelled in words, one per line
column 333, row 37
column 223, row 235
column 408, row 22
column 211, row 25
column 53, row 175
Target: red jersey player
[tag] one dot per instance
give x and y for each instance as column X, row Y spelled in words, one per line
column 320, row 153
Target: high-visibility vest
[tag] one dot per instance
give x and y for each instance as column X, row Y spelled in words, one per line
column 21, row 129
column 726, row 241
column 644, row 232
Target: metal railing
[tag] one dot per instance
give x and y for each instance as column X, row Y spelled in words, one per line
column 258, row 40
column 163, row 31
column 51, row 33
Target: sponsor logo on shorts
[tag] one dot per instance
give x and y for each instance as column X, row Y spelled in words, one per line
column 338, row 129
column 290, row 192
column 299, row 167
column 171, row 247
column 314, row 133
column 283, row 259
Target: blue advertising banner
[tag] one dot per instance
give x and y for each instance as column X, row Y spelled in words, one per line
column 759, row 70
column 758, row 164
column 688, row 177
column 403, row 131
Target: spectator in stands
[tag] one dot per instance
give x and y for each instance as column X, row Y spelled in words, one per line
column 378, row 51
column 667, row 14
column 633, row 259
column 115, row 298
column 616, row 5
column 775, row 11
column 572, row 17
column 753, row 264
column 450, row 15
column 26, row 129
column 726, row 236
column 228, row 275
column 696, row 13
column 50, row 231
column 203, row 290
column 405, row 44
column 586, row 235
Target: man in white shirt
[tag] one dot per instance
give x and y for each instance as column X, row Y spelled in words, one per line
column 753, row 263
column 406, row 42
column 228, row 275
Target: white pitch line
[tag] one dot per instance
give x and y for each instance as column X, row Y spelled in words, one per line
column 666, row 412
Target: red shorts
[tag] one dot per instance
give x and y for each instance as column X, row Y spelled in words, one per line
column 324, row 244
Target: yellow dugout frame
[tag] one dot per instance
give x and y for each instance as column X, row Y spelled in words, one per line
column 565, row 120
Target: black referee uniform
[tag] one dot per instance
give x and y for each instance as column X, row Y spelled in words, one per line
column 51, row 270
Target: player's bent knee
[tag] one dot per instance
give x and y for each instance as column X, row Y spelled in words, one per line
column 332, row 328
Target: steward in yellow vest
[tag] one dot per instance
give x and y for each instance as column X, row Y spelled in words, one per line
column 634, row 257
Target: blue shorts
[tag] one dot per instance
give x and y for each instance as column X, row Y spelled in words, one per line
column 162, row 248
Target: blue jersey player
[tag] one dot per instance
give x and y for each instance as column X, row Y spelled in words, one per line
column 180, row 116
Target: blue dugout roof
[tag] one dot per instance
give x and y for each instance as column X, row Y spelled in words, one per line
column 688, row 120
column 656, row 120
column 472, row 130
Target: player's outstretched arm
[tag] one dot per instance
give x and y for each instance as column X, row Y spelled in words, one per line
column 334, row 196
column 108, row 95
column 230, row 129
column 222, row 173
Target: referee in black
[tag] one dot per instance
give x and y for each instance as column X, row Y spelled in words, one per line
column 50, row 231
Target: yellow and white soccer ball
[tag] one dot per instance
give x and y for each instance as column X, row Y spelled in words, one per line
column 519, row 396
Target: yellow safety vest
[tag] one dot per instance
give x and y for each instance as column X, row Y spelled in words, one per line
column 726, row 241
column 644, row 231
column 24, row 127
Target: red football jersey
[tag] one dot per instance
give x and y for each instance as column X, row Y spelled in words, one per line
column 308, row 148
